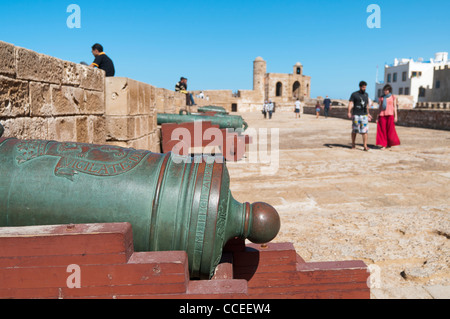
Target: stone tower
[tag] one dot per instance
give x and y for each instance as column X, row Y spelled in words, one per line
column 259, row 74
column 298, row 69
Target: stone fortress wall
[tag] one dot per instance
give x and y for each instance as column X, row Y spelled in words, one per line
column 433, row 117
column 42, row 97
column 282, row 89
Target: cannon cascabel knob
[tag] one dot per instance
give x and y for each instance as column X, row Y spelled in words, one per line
column 264, row 225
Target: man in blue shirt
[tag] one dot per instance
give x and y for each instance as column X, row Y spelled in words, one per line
column 326, row 106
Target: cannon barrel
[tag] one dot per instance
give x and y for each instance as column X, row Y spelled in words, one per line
column 172, row 202
column 224, row 121
column 224, row 115
column 212, row 108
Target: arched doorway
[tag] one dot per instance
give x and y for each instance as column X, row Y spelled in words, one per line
column 279, row 89
column 296, row 89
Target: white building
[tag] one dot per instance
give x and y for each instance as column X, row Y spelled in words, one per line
column 409, row 77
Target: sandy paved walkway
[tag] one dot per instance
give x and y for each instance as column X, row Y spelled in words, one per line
column 389, row 208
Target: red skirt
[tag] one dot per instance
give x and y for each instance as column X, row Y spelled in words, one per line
column 386, row 133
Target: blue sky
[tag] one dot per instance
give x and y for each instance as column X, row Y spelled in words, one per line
column 214, row 43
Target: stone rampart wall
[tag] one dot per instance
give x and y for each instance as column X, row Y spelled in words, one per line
column 42, row 97
column 424, row 118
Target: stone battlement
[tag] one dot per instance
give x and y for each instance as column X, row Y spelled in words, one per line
column 424, row 118
column 42, row 97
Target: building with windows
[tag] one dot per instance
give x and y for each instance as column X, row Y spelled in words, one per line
column 441, row 89
column 283, row 89
column 413, row 78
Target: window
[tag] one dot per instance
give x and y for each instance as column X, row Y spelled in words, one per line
column 400, row 91
column 438, row 84
column 299, row 71
column 389, row 78
column 379, row 92
column 416, row 74
column 422, row 92
column 279, row 89
column 406, row 91
column 395, row 77
column 404, row 76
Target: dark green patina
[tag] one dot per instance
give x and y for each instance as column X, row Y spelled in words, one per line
column 223, row 121
column 172, row 202
column 212, row 108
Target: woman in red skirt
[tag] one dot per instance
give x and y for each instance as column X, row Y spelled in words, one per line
column 387, row 117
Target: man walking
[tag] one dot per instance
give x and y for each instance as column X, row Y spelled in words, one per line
column 358, row 111
column 298, row 108
column 264, row 109
column 270, row 108
column 326, row 106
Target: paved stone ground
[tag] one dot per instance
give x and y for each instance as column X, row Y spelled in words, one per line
column 389, row 208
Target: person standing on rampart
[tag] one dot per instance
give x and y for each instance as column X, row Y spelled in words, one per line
column 298, row 108
column 358, row 111
column 387, row 117
column 326, row 106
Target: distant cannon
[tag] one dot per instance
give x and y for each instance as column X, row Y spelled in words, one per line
column 223, row 121
column 182, row 134
column 212, row 108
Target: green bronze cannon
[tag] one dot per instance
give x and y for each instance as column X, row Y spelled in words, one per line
column 223, row 121
column 203, row 114
column 212, row 108
column 172, row 202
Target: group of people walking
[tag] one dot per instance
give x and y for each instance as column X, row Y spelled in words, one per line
column 358, row 112
column 326, row 107
column 268, row 108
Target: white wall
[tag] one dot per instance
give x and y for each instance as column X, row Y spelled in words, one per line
column 426, row 80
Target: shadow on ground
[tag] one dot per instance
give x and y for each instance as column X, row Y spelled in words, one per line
column 349, row 146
